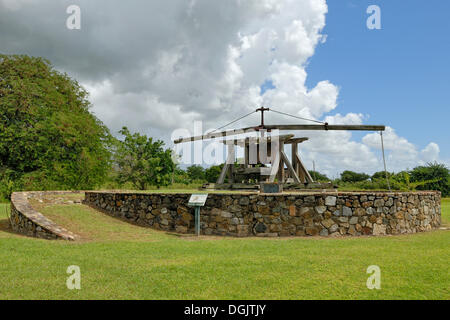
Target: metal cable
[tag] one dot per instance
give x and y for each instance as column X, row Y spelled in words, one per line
column 234, row 121
column 290, row 115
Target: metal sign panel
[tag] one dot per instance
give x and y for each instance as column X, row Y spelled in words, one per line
column 271, row 188
column 198, row 200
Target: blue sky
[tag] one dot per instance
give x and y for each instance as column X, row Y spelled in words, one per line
column 398, row 75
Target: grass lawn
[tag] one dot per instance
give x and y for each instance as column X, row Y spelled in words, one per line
column 123, row 261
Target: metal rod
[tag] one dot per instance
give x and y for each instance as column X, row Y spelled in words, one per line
column 384, row 161
column 197, row 220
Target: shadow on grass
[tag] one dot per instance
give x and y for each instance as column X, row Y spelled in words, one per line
column 5, row 226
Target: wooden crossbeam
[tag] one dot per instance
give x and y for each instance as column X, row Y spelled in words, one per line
column 305, row 127
column 295, row 141
column 290, row 167
column 225, row 169
column 322, row 127
column 303, row 168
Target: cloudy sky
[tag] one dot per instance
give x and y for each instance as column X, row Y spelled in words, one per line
column 156, row 66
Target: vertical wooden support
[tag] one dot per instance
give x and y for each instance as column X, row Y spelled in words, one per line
column 253, row 150
column 281, row 173
column 294, row 149
column 246, row 155
column 276, row 158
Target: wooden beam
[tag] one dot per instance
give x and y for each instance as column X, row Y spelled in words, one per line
column 323, row 127
column 330, row 127
column 290, row 167
column 223, row 174
column 230, row 160
column 214, row 135
column 246, row 156
column 305, row 171
column 296, row 140
column 258, row 140
column 275, row 166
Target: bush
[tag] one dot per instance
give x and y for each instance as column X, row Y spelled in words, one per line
column 436, row 175
column 350, row 176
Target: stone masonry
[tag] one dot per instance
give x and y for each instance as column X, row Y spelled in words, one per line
column 26, row 220
column 271, row 215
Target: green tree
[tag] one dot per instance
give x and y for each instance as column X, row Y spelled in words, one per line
column 48, row 137
column 142, row 161
column 317, row 176
column 381, row 175
column 196, row 172
column 213, row 173
column 180, row 176
column 350, row 176
column 435, row 174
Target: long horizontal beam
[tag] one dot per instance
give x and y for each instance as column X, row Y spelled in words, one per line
column 329, row 127
column 213, row 135
column 292, row 127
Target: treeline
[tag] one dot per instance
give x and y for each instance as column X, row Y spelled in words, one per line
column 49, row 140
column 433, row 176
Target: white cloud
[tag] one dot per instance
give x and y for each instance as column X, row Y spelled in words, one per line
column 156, row 66
column 401, row 154
column 430, row 153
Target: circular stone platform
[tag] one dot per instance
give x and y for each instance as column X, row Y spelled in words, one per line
column 273, row 215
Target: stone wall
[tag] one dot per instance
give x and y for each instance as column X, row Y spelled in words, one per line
column 26, row 220
column 294, row 214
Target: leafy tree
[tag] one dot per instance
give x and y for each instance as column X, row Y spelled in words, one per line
column 436, row 175
column 180, row 176
column 213, row 173
column 48, row 137
column 381, row 175
column 350, row 176
column 196, row 172
column 142, row 161
column 317, row 176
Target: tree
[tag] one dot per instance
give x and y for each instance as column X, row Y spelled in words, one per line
column 48, row 137
column 350, row 176
column 142, row 161
column 213, row 173
column 196, row 172
column 381, row 175
column 317, row 176
column 437, row 176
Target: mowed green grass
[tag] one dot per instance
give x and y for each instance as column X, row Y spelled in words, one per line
column 123, row 261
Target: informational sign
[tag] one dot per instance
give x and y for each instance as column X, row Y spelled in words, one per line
column 271, row 188
column 198, row 200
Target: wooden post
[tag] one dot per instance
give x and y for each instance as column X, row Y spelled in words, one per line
column 290, row 167
column 281, row 173
column 246, row 155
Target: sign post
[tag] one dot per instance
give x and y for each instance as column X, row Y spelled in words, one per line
column 197, row 201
